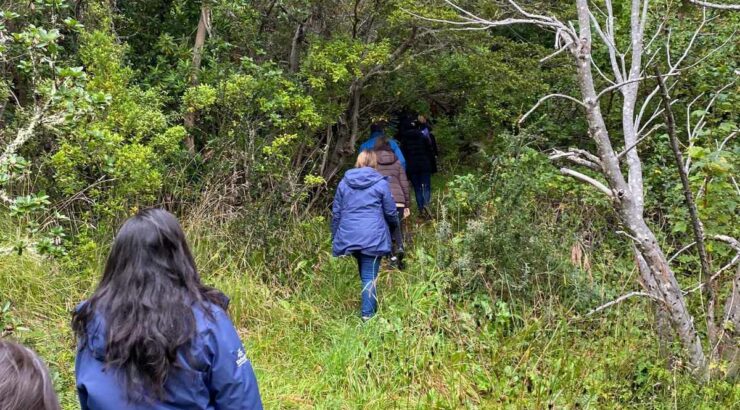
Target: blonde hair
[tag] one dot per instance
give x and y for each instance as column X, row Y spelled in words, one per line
column 366, row 159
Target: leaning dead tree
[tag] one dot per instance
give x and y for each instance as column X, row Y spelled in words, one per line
column 622, row 171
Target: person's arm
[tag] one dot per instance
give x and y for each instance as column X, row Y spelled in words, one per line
column 399, row 154
column 435, row 148
column 404, row 187
column 233, row 385
column 389, row 205
column 336, row 210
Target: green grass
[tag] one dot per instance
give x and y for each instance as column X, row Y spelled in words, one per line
column 425, row 348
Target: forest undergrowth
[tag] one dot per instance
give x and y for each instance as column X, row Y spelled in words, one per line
column 445, row 336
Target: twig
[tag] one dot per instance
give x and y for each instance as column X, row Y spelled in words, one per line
column 680, row 251
column 621, row 154
column 622, row 84
column 715, row 5
column 545, row 98
column 556, row 53
column 621, row 299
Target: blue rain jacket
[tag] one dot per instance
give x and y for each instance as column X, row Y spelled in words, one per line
column 369, row 145
column 216, row 374
column 362, row 213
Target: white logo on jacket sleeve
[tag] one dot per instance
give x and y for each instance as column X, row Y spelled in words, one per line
column 241, row 358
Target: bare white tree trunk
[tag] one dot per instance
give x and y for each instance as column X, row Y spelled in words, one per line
column 626, row 194
column 628, row 198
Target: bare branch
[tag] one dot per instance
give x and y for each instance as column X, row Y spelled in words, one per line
column 621, row 299
column 545, row 98
column 39, row 117
column 577, row 158
column 700, row 124
column 698, row 227
column 585, row 178
column 473, row 22
column 556, row 53
column 680, row 251
column 715, row 5
column 613, row 52
column 601, row 73
column 623, row 153
column 734, row 244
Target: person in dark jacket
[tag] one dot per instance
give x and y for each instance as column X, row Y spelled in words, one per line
column 152, row 336
column 418, row 152
column 363, row 213
column 390, row 166
column 24, row 380
column 426, row 129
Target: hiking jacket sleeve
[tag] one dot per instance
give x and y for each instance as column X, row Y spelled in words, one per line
column 397, row 150
column 389, row 205
column 404, row 186
column 232, row 383
column 433, row 143
column 336, row 210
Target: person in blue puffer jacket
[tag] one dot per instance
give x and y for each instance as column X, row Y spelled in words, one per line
column 376, row 131
column 152, row 336
column 363, row 213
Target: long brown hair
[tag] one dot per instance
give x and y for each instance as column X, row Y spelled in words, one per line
column 24, row 380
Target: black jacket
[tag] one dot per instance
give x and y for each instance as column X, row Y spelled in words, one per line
column 417, row 150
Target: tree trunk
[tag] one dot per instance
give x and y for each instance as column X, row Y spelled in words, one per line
column 662, row 318
column 698, row 228
column 200, row 40
column 354, row 113
column 629, row 202
column 295, row 49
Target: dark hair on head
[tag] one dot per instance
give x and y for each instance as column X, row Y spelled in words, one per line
column 377, row 126
column 381, row 142
column 24, row 380
column 146, row 298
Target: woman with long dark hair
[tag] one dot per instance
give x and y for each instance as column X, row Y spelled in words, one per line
column 152, row 336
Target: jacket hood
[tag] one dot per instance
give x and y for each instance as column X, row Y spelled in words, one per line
column 361, row 178
column 385, row 156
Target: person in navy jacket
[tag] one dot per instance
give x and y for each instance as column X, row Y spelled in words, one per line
column 363, row 213
column 152, row 336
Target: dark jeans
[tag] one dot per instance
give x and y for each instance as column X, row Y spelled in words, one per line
column 423, row 188
column 368, row 267
column 397, row 232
